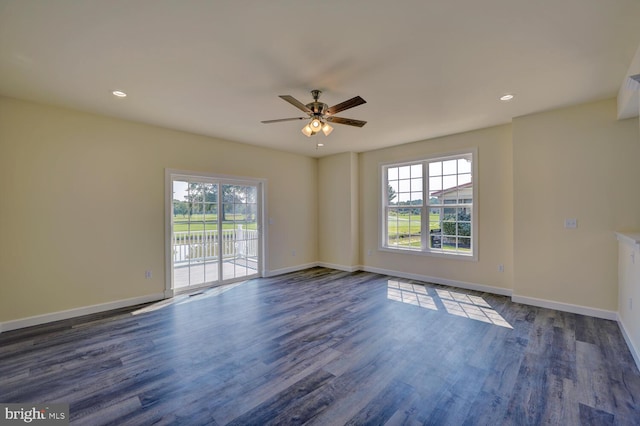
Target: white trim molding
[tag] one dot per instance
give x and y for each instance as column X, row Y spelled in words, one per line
column 295, row 268
column 566, row 307
column 635, row 352
column 78, row 312
column 344, row 268
column 631, row 238
column 443, row 281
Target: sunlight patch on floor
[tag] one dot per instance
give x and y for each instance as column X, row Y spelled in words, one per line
column 411, row 294
column 454, row 303
column 186, row 297
column 472, row 307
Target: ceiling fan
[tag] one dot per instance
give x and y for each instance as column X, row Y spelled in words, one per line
column 320, row 114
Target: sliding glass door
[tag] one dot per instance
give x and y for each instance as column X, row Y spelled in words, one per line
column 215, row 230
column 239, row 218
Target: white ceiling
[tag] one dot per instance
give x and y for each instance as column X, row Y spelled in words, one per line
column 426, row 68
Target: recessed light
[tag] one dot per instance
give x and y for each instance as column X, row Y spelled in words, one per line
column 320, row 144
column 119, row 94
column 506, row 97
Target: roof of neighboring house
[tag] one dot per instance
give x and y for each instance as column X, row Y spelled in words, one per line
column 455, row 188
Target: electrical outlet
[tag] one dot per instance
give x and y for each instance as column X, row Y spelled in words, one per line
column 148, row 274
column 293, row 253
column 369, row 252
column 501, row 268
column 571, row 223
column 630, row 304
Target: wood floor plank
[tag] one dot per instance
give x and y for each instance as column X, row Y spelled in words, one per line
column 498, row 386
column 383, row 406
column 281, row 403
column 562, row 353
column 527, row 405
column 592, row 416
column 327, row 347
column 237, row 400
column 452, row 406
column 593, row 381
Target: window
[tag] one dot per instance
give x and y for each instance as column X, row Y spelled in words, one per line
column 428, row 206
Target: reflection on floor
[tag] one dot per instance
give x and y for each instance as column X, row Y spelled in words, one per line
column 460, row 304
column 187, row 297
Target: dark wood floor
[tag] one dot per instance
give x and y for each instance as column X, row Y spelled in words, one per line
column 331, row 348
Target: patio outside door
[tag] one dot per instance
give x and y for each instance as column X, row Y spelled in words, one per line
column 215, row 231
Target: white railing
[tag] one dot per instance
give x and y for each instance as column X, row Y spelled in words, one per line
column 201, row 246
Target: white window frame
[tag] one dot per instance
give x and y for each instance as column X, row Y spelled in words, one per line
column 424, row 248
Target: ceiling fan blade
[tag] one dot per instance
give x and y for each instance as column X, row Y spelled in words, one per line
column 347, row 121
column 350, row 103
column 284, row 119
column 296, row 103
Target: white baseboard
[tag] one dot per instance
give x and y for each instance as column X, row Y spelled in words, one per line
column 296, row 268
column 566, row 307
column 340, row 267
column 77, row 312
column 437, row 280
column 632, row 348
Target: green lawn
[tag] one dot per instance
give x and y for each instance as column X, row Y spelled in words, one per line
column 199, row 222
column 405, row 224
column 408, row 228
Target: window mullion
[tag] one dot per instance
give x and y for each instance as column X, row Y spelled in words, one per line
column 426, row 221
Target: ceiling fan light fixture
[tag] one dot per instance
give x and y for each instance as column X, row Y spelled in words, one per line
column 318, row 113
column 316, row 125
column 327, row 129
column 307, row 131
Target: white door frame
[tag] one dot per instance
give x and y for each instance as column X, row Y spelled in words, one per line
column 170, row 175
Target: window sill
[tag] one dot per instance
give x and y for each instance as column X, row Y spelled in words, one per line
column 451, row 256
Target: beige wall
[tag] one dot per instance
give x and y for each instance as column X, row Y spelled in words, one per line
column 577, row 162
column 495, row 201
column 582, row 163
column 338, row 240
column 82, row 205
